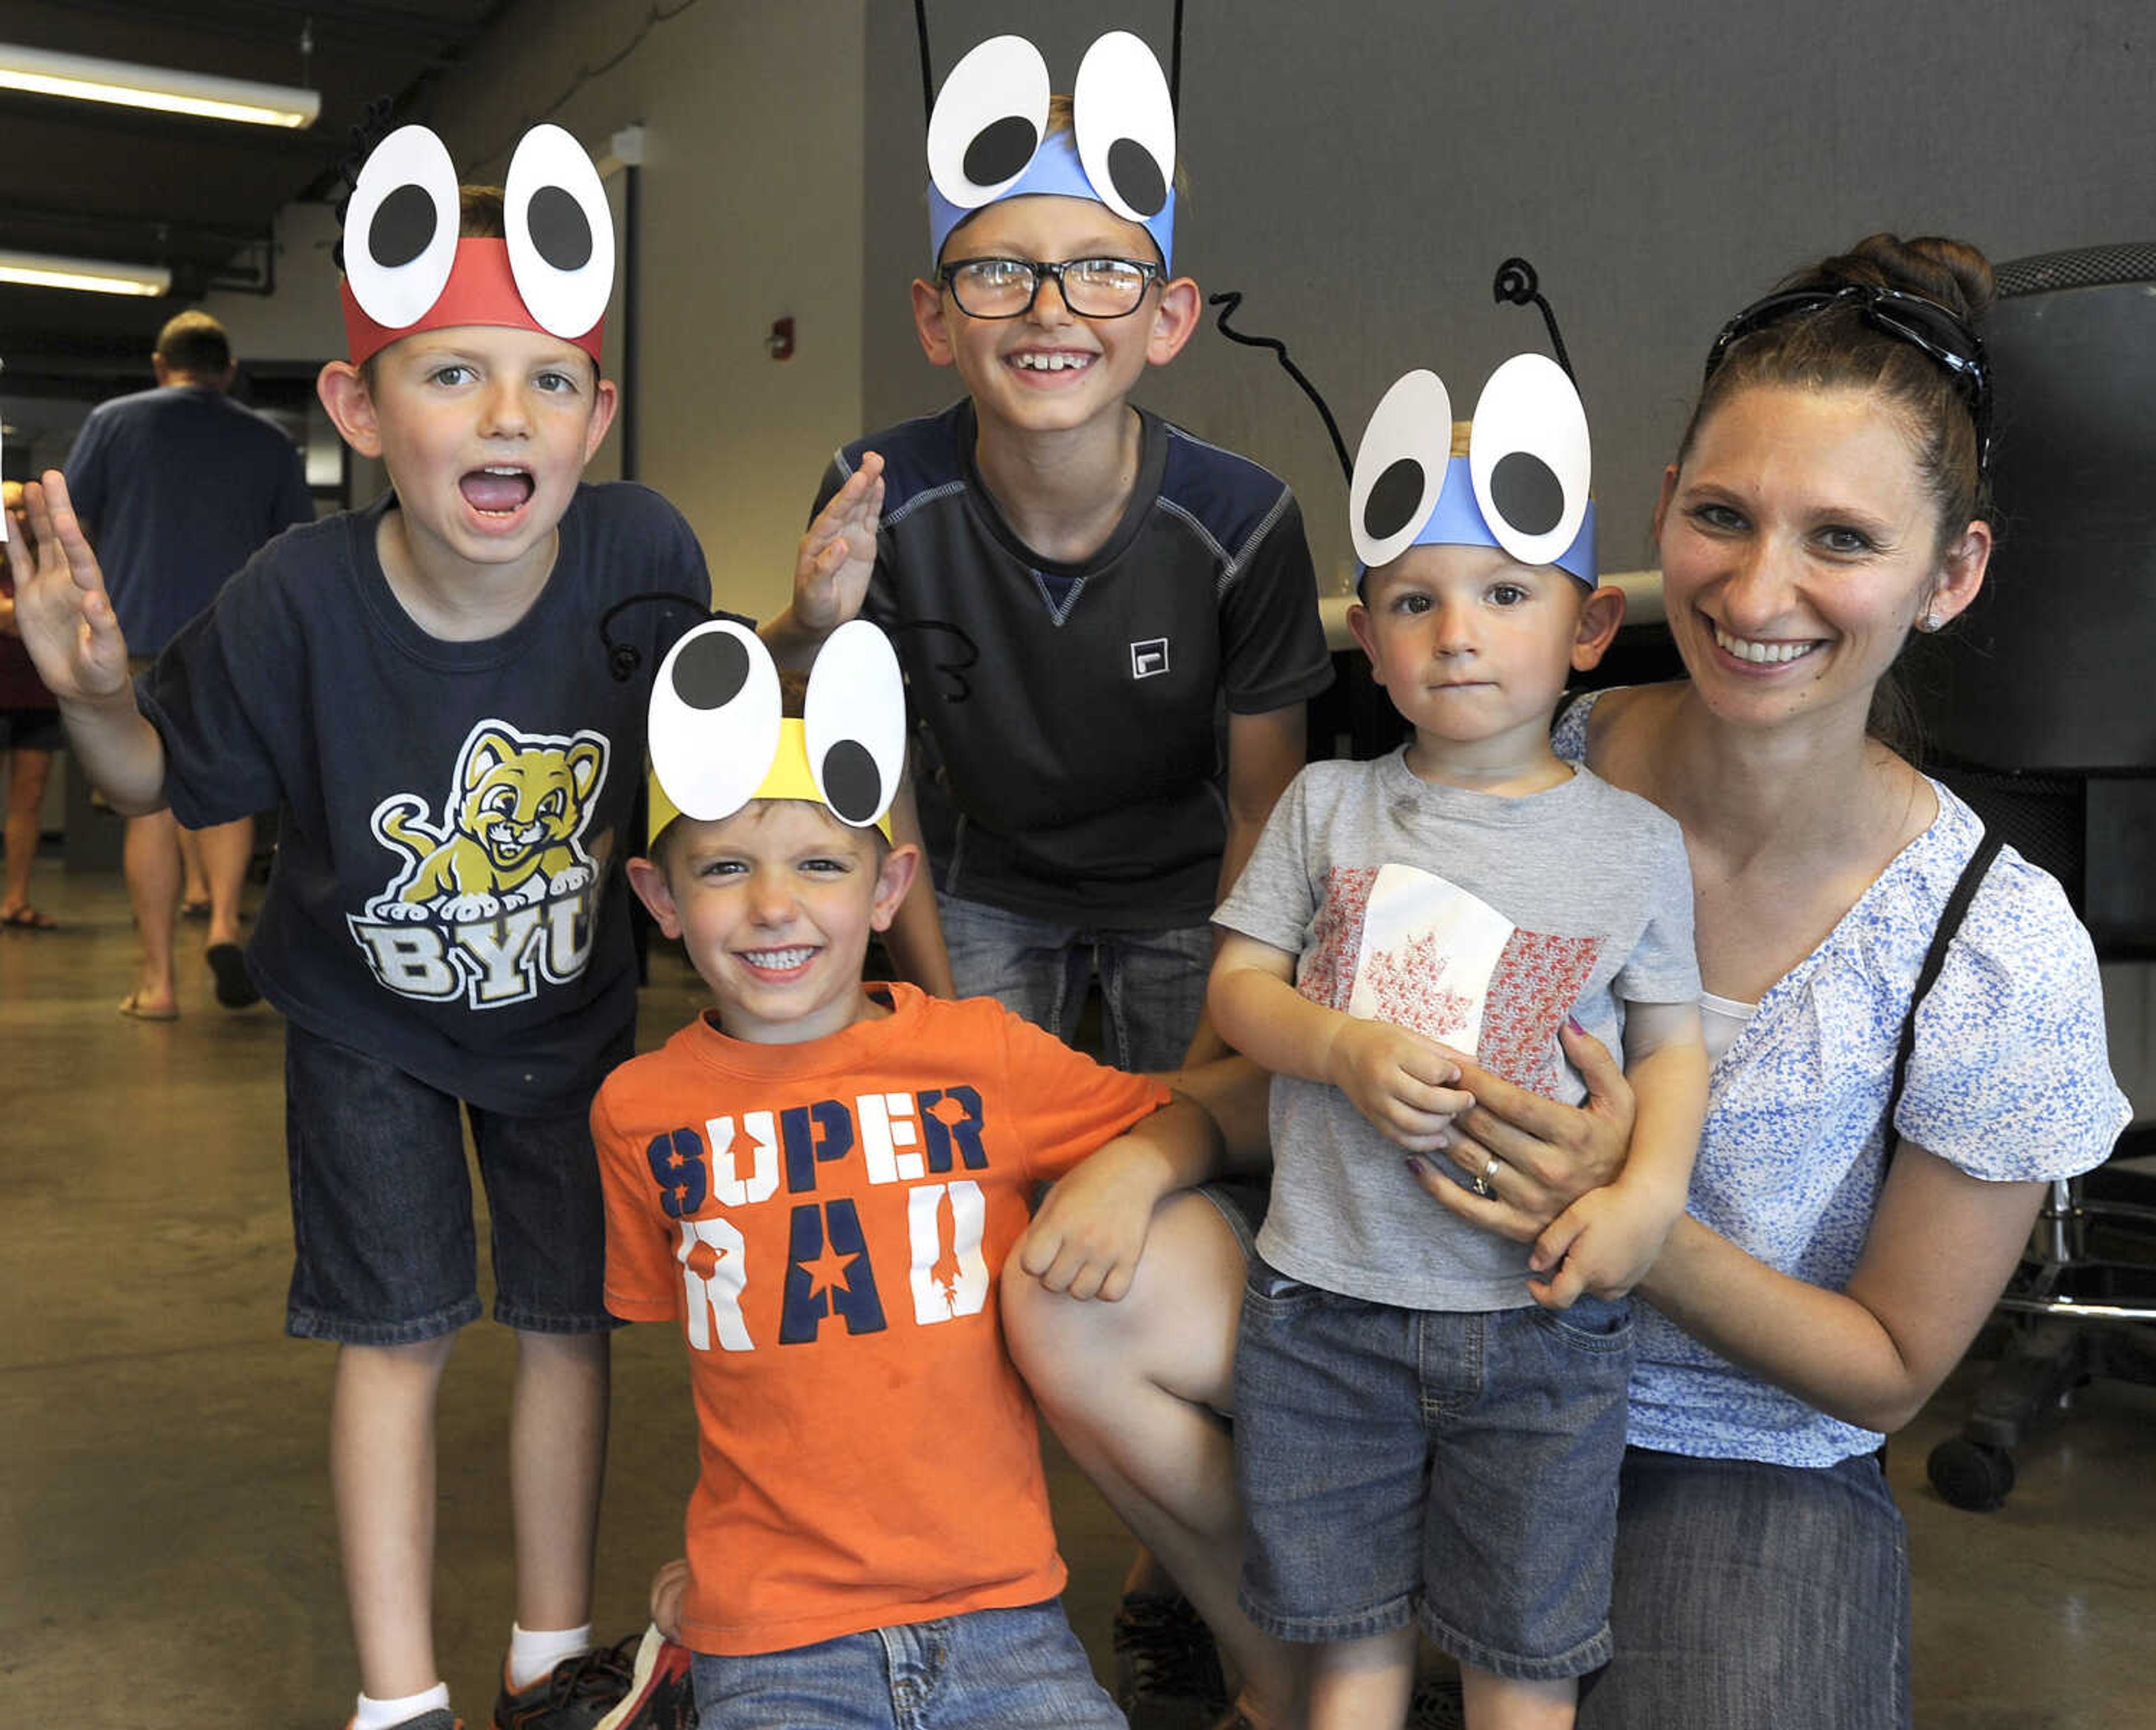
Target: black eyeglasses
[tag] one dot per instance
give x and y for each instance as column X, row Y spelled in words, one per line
column 1006, row 288
column 1924, row 324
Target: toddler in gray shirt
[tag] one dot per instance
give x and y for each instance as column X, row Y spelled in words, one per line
column 1425, row 1432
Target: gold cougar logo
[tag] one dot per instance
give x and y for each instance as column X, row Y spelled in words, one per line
column 508, row 834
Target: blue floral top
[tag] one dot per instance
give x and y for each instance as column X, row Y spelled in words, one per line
column 2010, row 1079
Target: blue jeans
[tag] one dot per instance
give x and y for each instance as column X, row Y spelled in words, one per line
column 1755, row 1597
column 1458, row 1468
column 384, row 1247
column 985, row 1670
column 1152, row 983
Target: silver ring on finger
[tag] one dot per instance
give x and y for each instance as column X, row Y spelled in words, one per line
column 1481, row 1183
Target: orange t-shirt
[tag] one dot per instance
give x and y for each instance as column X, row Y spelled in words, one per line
column 826, row 1221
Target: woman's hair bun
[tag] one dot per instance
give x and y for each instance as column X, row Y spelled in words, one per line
column 1951, row 272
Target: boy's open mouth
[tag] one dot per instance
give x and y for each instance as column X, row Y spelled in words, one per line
column 496, row 491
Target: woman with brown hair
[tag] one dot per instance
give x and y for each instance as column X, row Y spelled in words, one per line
column 1841, row 1245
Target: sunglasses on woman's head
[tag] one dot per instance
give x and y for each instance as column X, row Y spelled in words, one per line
column 1924, row 324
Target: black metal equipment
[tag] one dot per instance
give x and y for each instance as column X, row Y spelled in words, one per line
column 2040, row 709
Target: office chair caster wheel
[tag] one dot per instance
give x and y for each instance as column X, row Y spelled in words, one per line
column 1972, row 1475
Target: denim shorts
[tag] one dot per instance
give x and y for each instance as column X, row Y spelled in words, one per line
column 1152, row 983
column 1756, row 1597
column 1398, row 1464
column 382, row 1208
column 1241, row 1203
column 987, row 1669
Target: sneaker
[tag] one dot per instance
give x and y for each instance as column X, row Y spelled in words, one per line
column 659, row 1697
column 575, row 1695
column 1167, row 1669
column 441, row 1718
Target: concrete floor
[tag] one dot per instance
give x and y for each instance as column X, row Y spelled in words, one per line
column 167, row 1555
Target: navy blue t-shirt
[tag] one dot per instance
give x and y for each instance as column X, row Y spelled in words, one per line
column 179, row 486
column 447, row 894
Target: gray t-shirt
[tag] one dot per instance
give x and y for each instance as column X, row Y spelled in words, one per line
column 1482, row 922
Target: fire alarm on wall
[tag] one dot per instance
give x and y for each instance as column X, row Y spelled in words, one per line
column 779, row 345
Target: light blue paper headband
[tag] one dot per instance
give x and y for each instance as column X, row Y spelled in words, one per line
column 1457, row 521
column 1054, row 171
column 1523, row 486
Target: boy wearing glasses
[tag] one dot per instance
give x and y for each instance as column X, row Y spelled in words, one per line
column 1109, row 627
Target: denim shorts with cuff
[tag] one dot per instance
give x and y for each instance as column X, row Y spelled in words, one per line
column 1459, row 1469
column 384, row 1246
column 1018, row 1669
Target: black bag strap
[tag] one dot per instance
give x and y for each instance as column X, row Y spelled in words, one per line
column 1935, row 958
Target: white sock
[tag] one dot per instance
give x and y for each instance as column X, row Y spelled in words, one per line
column 533, row 1653
column 387, row 1714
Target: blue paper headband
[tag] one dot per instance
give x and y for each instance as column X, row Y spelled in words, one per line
column 1054, row 171
column 1522, row 487
column 1457, row 521
column 988, row 137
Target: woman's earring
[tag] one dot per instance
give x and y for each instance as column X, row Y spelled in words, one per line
column 1930, row 621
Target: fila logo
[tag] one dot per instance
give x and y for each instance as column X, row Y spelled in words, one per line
column 1149, row 658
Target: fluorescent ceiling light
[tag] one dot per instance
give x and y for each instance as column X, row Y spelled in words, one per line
column 42, row 72
column 96, row 276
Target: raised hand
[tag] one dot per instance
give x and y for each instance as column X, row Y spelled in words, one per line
column 831, row 572
column 61, row 609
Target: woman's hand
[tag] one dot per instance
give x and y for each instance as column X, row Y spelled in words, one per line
column 1546, row 1156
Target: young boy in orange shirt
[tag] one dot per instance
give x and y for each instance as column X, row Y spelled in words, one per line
column 818, row 1180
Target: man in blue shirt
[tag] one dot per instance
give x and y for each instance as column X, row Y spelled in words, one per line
column 179, row 486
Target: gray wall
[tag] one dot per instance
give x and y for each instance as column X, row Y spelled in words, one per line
column 1359, row 169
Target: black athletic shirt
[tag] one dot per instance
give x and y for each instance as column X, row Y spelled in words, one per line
column 1074, row 762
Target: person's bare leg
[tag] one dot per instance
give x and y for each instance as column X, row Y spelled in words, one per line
column 27, row 772
column 382, row 1472
column 194, row 879
column 557, row 1435
column 149, row 859
column 1134, row 1390
column 1498, row 1702
column 226, row 849
column 1362, row 1684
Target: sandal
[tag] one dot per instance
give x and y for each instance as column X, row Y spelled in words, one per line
column 235, row 990
column 27, row 918
column 194, row 909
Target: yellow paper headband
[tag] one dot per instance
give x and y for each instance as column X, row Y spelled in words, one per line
column 718, row 739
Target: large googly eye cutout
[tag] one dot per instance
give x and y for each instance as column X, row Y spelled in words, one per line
column 990, row 119
column 714, row 720
column 1125, row 121
column 561, row 232
column 400, row 228
column 854, row 723
column 1530, row 459
column 1400, row 468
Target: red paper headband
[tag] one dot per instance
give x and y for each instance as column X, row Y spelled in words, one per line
column 481, row 290
column 407, row 267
